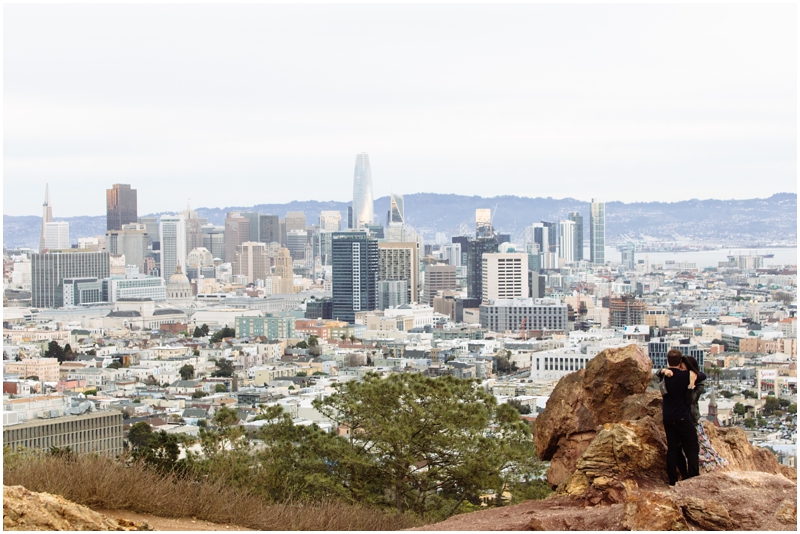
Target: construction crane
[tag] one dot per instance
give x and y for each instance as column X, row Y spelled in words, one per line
column 524, row 337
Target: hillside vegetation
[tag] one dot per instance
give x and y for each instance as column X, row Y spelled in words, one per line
column 414, row 450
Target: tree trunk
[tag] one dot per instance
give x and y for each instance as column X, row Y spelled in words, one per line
column 398, row 490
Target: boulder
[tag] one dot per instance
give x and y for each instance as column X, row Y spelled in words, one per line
column 602, row 432
column 612, row 388
column 631, row 370
column 731, row 443
column 28, row 510
column 622, row 459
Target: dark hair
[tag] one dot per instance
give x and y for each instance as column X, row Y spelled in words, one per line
column 691, row 364
column 674, row 357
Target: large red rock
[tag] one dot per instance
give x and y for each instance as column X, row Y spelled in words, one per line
column 613, row 376
column 612, row 388
column 602, row 432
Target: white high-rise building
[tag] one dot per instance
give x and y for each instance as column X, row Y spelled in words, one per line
column 567, row 249
column 452, row 254
column 363, row 207
column 56, row 235
column 330, row 221
column 172, row 233
column 505, row 276
column 597, row 232
column 47, row 217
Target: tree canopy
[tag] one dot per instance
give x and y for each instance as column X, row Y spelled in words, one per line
column 200, row 331
column 430, row 443
column 224, row 369
column 186, row 372
column 219, row 335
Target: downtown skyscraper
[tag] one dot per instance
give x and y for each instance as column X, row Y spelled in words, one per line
column 577, row 218
column 355, row 274
column 396, row 213
column 47, row 217
column 597, row 232
column 172, row 232
column 363, row 207
column 121, row 206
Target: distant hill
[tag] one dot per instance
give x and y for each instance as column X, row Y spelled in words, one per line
column 758, row 220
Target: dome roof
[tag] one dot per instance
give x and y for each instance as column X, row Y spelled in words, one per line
column 178, row 278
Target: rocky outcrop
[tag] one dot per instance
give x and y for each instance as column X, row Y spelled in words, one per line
column 28, row 510
column 602, row 432
column 612, row 388
column 724, row 500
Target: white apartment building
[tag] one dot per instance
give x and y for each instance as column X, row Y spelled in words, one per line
column 505, row 276
column 566, row 249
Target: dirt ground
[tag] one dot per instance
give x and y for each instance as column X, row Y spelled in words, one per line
column 168, row 523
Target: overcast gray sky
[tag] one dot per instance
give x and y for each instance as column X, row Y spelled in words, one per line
column 246, row 104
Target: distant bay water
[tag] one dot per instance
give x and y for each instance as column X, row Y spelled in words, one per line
column 709, row 258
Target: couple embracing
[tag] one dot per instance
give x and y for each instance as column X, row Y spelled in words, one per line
column 687, row 443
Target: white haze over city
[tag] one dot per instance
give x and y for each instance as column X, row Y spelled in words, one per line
column 234, row 105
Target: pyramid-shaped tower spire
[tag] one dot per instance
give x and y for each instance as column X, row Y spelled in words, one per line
column 47, row 216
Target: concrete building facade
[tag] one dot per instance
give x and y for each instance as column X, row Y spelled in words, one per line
column 505, row 276
column 96, row 432
column 49, row 270
column 398, row 261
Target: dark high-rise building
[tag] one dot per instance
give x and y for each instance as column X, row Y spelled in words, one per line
column 319, row 309
column 476, row 248
column 254, row 225
column 396, row 213
column 49, row 270
column 577, row 218
column 355, row 274
column 120, row 206
column 269, row 229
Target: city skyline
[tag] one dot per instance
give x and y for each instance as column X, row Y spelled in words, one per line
column 548, row 100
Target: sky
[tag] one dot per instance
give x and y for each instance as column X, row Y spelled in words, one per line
column 236, row 105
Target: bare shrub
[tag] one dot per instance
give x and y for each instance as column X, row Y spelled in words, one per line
column 109, row 484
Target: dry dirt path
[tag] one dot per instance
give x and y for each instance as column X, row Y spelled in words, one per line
column 168, row 523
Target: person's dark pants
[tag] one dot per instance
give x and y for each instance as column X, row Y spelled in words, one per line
column 681, row 435
column 682, row 464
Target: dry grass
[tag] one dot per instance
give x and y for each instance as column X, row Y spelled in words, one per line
column 105, row 483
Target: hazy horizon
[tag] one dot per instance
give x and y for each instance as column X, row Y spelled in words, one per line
column 242, row 206
column 635, row 102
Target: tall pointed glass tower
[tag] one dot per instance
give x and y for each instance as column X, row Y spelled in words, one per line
column 396, row 209
column 47, row 216
column 362, row 192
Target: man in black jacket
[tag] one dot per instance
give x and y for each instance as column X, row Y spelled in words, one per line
column 681, row 433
